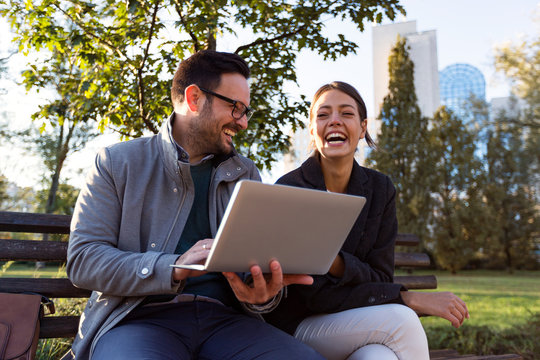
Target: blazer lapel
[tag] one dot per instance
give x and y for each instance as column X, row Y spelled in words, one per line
column 358, row 186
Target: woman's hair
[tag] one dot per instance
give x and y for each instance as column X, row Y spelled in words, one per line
column 352, row 92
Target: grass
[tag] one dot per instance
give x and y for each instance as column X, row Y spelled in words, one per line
column 504, row 309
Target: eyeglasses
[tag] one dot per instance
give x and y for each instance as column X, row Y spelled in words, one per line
column 239, row 108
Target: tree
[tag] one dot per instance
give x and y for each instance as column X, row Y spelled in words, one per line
column 520, row 63
column 459, row 215
column 510, row 195
column 403, row 144
column 4, row 197
column 66, row 125
column 127, row 52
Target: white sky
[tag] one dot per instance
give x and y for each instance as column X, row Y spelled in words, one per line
column 467, row 31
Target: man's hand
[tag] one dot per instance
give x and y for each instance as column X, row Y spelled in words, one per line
column 197, row 254
column 443, row 304
column 264, row 289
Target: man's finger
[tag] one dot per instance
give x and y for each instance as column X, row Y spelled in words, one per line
column 259, row 282
column 237, row 285
column 276, row 282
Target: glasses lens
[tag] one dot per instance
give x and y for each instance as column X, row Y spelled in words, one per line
column 241, row 110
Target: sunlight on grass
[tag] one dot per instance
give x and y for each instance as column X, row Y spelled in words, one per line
column 496, row 299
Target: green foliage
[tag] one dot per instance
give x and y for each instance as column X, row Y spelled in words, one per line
column 459, row 214
column 487, row 340
column 3, row 191
column 64, row 201
column 504, row 309
column 403, row 145
column 520, row 63
column 126, row 53
column 511, row 195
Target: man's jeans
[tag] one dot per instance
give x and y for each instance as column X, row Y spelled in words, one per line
column 197, row 330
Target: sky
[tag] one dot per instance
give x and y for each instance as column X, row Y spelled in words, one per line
column 467, row 32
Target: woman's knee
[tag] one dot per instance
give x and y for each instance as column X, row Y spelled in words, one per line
column 407, row 318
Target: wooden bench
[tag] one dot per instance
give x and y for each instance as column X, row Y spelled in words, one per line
column 55, row 251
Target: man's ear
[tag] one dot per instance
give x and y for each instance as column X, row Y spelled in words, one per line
column 194, row 98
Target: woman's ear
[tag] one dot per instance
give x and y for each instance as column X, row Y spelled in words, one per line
column 363, row 128
column 194, row 98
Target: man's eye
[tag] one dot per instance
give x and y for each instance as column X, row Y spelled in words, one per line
column 320, row 116
column 348, row 114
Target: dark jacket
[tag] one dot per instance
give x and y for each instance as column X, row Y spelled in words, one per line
column 368, row 252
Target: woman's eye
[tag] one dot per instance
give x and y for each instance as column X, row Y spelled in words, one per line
column 321, row 116
column 348, row 114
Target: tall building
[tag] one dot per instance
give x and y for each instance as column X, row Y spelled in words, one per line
column 423, row 52
column 458, row 83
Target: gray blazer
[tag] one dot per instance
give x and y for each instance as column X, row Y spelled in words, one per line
column 127, row 221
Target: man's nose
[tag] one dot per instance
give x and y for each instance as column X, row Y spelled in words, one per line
column 242, row 122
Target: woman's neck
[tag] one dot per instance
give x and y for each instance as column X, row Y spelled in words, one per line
column 336, row 173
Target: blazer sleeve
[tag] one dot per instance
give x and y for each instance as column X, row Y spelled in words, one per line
column 94, row 260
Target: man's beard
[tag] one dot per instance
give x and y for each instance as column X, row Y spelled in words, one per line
column 205, row 134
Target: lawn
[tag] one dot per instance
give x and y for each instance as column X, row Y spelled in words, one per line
column 504, row 309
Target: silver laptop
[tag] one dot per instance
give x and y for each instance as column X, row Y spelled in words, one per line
column 303, row 229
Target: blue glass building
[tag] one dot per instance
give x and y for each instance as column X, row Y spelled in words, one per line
column 457, row 83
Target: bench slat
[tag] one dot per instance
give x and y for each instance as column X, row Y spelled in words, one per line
column 411, row 259
column 58, row 327
column 407, row 240
column 34, row 223
column 53, row 288
column 32, row 250
column 417, row 281
column 59, row 224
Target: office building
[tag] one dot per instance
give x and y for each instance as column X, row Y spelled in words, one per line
column 458, row 84
column 423, row 53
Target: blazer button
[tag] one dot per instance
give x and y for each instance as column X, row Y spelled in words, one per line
column 371, row 299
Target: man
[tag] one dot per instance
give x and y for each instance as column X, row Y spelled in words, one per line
column 152, row 202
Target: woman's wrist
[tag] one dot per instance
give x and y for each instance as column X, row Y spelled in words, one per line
column 337, row 269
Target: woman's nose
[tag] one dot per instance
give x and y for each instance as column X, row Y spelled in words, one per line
column 335, row 118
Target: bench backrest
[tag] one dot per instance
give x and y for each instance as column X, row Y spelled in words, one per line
column 55, row 251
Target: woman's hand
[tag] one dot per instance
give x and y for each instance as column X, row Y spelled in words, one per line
column 443, row 304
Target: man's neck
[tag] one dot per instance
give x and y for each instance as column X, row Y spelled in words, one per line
column 178, row 134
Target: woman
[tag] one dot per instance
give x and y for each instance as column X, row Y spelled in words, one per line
column 356, row 311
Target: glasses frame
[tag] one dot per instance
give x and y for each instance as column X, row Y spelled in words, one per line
column 248, row 112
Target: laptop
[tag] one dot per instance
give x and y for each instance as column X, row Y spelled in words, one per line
column 303, row 229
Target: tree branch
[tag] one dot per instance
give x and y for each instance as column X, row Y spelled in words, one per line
column 196, row 45
column 98, row 38
column 140, row 79
column 266, row 41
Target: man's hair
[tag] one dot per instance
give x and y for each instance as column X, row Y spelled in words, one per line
column 204, row 69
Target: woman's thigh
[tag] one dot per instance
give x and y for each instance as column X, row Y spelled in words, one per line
column 336, row 336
